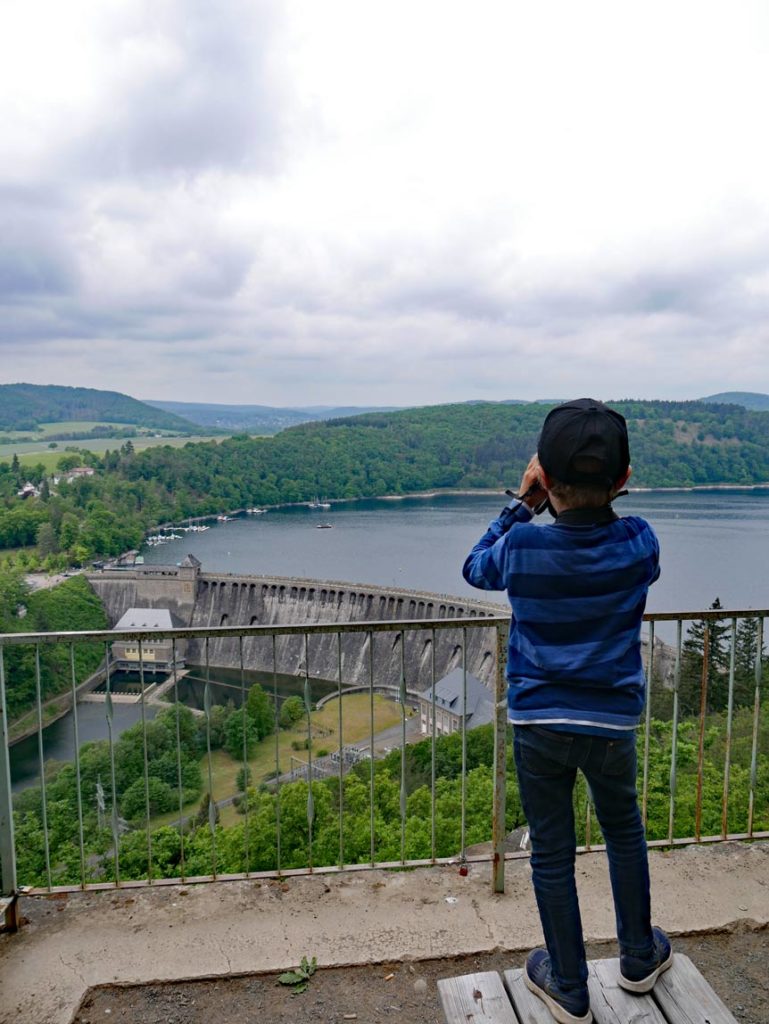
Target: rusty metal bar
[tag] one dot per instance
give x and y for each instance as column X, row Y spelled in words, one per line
column 41, row 759
column 433, row 738
column 114, row 810
column 308, row 710
column 277, row 752
column 8, row 880
column 372, row 798
column 674, row 735
column 311, row 629
column 463, row 801
column 728, row 749
column 701, row 746
column 588, row 820
column 211, row 801
column 402, row 696
column 500, row 762
column 146, row 764
column 78, row 779
column 648, row 720
column 246, row 766
column 341, row 749
column 756, row 714
column 179, row 779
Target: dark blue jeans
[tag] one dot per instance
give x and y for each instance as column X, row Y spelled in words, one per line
column 547, row 763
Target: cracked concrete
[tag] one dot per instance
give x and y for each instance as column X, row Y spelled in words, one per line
column 165, row 933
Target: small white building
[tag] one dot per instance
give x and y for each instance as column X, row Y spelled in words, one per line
column 155, row 655
column 449, row 704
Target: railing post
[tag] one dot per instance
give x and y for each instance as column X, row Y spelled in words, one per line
column 7, row 844
column 500, row 763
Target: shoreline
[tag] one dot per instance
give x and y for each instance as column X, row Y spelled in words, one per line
column 458, row 493
column 490, row 491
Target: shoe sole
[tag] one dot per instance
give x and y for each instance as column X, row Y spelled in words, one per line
column 646, row 984
column 561, row 1014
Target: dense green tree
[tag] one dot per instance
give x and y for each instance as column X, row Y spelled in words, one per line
column 241, row 730
column 291, row 711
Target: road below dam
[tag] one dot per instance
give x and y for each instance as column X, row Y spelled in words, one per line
column 199, row 599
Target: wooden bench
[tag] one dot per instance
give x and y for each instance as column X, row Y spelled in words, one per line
column 681, row 996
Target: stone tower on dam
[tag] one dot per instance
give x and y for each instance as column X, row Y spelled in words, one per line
column 200, row 599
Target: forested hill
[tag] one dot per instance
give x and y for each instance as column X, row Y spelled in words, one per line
column 748, row 399
column 25, row 406
column 455, row 446
column 255, row 419
column 451, row 447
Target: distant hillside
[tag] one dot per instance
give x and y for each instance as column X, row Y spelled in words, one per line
column 26, row 406
column 257, row 419
column 747, row 399
column 673, row 444
column 458, row 447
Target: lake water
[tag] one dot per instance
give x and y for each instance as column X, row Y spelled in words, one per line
column 713, row 544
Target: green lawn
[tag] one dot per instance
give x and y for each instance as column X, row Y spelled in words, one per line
column 32, row 453
column 72, row 427
column 325, row 728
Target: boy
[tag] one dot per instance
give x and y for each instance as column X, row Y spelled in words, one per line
column 577, row 588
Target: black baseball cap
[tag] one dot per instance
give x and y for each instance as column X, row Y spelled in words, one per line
column 584, row 428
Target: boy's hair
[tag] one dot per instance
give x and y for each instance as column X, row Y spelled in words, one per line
column 582, row 495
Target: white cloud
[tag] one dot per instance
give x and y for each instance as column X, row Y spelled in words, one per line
column 308, row 203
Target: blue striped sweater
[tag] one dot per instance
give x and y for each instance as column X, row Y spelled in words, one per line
column 577, row 590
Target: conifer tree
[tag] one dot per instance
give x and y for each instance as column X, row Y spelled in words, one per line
column 717, row 632
column 745, row 661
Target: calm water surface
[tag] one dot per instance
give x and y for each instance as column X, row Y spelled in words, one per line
column 714, row 544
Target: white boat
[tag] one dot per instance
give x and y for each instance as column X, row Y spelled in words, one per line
column 223, row 519
column 318, row 504
column 256, row 511
column 324, row 526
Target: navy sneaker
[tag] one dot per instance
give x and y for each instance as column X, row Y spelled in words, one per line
column 567, row 1007
column 637, row 974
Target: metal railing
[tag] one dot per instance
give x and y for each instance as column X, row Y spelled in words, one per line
column 103, row 820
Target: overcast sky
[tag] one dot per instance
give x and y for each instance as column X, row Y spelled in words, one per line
column 405, row 202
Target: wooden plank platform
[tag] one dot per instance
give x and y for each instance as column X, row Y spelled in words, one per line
column 681, row 996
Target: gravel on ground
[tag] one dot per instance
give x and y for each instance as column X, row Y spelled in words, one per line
column 734, row 963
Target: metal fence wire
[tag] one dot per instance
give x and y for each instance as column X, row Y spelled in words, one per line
column 289, row 749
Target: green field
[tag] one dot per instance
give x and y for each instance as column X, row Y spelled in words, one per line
column 45, row 430
column 325, row 724
column 34, row 452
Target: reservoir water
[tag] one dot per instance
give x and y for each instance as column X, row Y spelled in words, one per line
column 713, row 544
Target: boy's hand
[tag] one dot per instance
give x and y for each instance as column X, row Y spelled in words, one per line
column 531, row 479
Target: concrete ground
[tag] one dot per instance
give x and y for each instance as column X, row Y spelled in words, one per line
column 73, row 942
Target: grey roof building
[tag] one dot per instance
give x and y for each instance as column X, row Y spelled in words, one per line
column 449, row 704
column 153, row 655
column 146, row 618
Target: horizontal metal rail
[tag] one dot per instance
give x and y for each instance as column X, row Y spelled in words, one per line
column 130, row 813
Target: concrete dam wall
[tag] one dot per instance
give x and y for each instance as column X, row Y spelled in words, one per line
column 204, row 600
